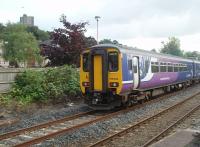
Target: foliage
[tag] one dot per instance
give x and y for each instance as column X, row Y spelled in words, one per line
column 109, row 41
column 154, row 50
column 39, row 34
column 2, row 28
column 90, row 41
column 43, row 85
column 67, row 43
column 19, row 45
column 172, row 47
column 194, row 55
column 28, row 87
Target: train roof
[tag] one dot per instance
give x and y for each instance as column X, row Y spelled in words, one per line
column 126, row 49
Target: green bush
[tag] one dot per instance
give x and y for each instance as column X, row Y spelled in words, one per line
column 47, row 84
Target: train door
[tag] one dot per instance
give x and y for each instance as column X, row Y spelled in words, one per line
column 136, row 74
column 97, row 72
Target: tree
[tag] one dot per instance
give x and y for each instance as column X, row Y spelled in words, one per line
column 194, row 55
column 2, row 28
column 115, row 42
column 19, row 45
column 172, row 47
column 39, row 34
column 106, row 41
column 90, row 41
column 66, row 43
column 109, row 41
column 154, row 50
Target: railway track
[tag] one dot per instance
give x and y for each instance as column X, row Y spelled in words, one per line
column 4, row 123
column 39, row 133
column 13, row 135
column 149, row 130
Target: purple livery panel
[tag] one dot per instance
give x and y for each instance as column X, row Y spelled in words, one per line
column 150, row 80
column 159, row 79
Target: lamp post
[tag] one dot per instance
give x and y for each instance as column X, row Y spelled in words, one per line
column 97, row 19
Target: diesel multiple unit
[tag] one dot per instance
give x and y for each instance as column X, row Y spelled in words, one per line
column 112, row 76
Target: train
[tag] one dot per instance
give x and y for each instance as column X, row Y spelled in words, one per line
column 113, row 76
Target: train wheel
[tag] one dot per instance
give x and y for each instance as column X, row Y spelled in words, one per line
column 148, row 95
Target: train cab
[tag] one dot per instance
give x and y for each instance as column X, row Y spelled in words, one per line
column 101, row 76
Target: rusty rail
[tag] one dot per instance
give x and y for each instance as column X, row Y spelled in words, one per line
column 43, row 125
column 4, row 123
column 111, row 137
column 171, row 126
column 100, row 118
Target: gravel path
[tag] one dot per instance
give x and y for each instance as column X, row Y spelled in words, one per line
column 84, row 136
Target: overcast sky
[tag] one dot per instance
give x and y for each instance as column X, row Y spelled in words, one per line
column 140, row 23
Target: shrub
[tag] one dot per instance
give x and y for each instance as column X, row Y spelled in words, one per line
column 47, row 84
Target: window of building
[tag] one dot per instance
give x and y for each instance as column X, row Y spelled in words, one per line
column 113, row 61
column 86, row 62
column 154, row 67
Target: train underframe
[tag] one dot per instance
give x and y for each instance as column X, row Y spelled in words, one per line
column 108, row 101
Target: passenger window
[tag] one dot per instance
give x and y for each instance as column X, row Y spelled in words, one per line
column 176, row 68
column 170, row 67
column 154, row 67
column 146, row 66
column 135, row 67
column 163, row 67
column 185, row 68
column 86, row 62
column 113, row 61
column 181, row 68
column 130, row 64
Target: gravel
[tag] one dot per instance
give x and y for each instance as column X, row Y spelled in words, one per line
column 89, row 134
column 146, row 131
column 195, row 123
column 42, row 116
column 192, row 123
column 97, row 130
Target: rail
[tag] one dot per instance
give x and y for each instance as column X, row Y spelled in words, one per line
column 120, row 133
column 75, row 127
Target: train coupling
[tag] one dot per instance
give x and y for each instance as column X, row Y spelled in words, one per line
column 97, row 98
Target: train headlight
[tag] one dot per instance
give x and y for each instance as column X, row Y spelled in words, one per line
column 86, row 84
column 114, row 84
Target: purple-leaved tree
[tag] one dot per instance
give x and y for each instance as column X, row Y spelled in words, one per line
column 66, row 43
